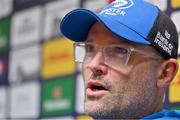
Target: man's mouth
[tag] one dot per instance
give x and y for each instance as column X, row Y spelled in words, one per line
column 96, row 88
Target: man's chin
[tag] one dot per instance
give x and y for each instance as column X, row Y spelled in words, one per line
column 92, row 110
column 104, row 112
column 102, row 115
column 97, row 112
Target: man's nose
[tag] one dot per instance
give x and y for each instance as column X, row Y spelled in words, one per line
column 97, row 64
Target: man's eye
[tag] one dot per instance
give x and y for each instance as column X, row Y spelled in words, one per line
column 120, row 50
column 89, row 48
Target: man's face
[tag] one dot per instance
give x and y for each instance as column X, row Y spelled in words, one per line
column 129, row 92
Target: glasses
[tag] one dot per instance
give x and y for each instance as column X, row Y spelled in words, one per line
column 114, row 55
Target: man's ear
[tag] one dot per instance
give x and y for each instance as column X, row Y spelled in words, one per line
column 167, row 72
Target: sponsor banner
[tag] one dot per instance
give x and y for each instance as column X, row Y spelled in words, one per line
column 48, row 1
column 59, row 118
column 3, row 103
column 24, row 4
column 6, row 7
column 162, row 4
column 94, row 5
column 3, row 70
column 177, row 108
column 25, row 101
column 174, row 96
column 54, row 12
column 26, row 27
column 179, row 40
column 57, row 58
column 25, row 64
column 83, row 117
column 175, row 3
column 175, row 16
column 58, row 96
column 80, row 94
column 4, row 34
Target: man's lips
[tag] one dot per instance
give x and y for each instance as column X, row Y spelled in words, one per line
column 96, row 88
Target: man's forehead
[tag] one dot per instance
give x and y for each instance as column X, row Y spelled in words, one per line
column 97, row 29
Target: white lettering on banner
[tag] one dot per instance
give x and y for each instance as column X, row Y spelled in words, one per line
column 52, row 105
column 163, row 42
column 2, row 41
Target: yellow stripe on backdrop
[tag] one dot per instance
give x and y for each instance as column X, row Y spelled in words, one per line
column 83, row 117
column 174, row 89
column 175, row 3
column 57, row 58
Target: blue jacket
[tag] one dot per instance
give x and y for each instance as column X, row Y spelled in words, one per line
column 164, row 115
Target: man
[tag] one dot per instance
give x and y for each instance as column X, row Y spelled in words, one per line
column 128, row 53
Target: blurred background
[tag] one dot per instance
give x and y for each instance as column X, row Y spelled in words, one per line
column 38, row 78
